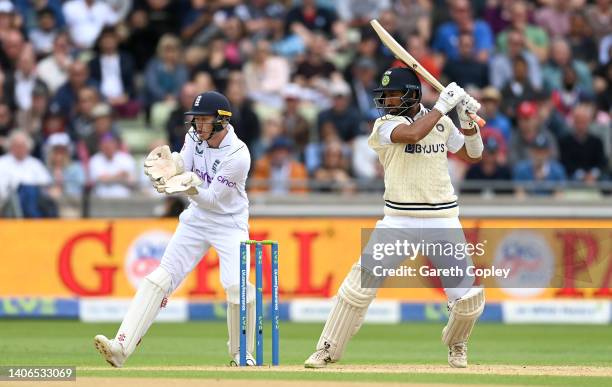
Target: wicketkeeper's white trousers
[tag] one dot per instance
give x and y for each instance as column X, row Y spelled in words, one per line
column 197, row 231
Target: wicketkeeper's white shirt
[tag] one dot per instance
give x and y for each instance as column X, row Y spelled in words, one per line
column 223, row 171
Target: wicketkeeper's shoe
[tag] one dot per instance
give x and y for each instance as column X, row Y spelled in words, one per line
column 111, row 350
column 457, row 355
column 250, row 360
column 319, row 359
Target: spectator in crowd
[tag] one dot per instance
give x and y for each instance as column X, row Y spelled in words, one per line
column 6, row 125
column 415, row 16
column 541, row 174
column 603, row 87
column 365, row 164
column 294, row 124
column 488, row 169
column 490, row 100
column 244, row 120
column 271, row 129
column 67, row 95
column 554, row 17
column 278, row 172
column 357, row 13
column 113, row 70
column 13, row 45
column 312, row 17
column 497, row 14
column 535, row 38
column 103, row 124
column 142, row 38
column 30, row 12
column 82, row 124
column 333, row 175
column 236, row 46
column 176, row 129
column 112, row 172
column 25, row 79
column 501, row 63
column 266, row 75
column 529, row 128
column 68, row 177
column 363, row 82
column 581, row 40
column 561, row 57
column 85, row 20
column 582, row 153
column 465, row 70
column 599, row 18
column 42, row 37
column 31, row 120
column 28, row 176
column 570, row 92
column 216, row 64
column 165, row 74
column 53, row 70
column 315, row 70
column 446, row 39
column 517, row 89
column 197, row 22
column 343, row 116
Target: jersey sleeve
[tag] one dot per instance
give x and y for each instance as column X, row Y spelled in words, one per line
column 455, row 139
column 384, row 131
column 187, row 152
column 232, row 175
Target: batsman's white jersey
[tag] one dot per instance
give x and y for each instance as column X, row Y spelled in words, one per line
column 418, row 189
column 417, row 182
column 218, row 215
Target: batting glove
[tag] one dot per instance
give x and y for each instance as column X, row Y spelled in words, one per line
column 465, row 110
column 449, row 98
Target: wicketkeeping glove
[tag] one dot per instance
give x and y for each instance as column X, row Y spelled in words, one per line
column 450, row 96
column 160, row 165
column 183, row 183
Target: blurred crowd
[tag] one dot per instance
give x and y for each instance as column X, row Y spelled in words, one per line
column 299, row 76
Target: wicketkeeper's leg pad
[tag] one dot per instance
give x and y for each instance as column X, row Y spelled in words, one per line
column 145, row 306
column 233, row 319
column 349, row 309
column 464, row 313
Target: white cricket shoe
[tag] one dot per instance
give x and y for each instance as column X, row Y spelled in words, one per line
column 457, row 355
column 319, row 359
column 250, row 360
column 111, row 350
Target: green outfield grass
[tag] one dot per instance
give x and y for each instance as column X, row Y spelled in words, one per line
column 204, row 344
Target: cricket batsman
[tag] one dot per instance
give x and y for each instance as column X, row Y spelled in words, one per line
column 211, row 170
column 412, row 143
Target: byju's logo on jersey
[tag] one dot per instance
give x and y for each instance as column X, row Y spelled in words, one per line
column 429, row 148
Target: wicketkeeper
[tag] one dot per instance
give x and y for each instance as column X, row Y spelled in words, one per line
column 412, row 144
column 211, row 170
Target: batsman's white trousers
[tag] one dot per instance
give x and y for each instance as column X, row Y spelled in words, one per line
column 427, row 230
column 197, row 231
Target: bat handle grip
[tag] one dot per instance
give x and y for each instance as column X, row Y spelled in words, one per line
column 480, row 121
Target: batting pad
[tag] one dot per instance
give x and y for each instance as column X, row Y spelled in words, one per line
column 348, row 312
column 144, row 308
column 463, row 315
column 233, row 319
